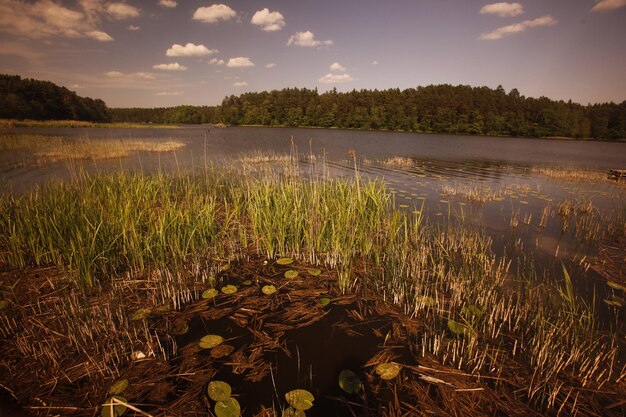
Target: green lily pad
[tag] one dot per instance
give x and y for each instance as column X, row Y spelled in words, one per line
column 324, row 301
column 227, row 408
column 292, row 412
column 118, row 387
column 210, row 293
column 426, row 300
column 456, row 327
column 300, row 399
column 113, row 409
column 349, row 381
column 291, row 274
column 180, row 327
column 221, row 351
column 269, row 289
column 314, row 271
column 4, row 304
column 219, row 390
column 471, row 311
column 284, row 261
column 229, row 289
column 388, row 370
column 141, row 314
column 210, row 341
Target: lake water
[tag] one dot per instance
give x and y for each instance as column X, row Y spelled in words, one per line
column 526, row 216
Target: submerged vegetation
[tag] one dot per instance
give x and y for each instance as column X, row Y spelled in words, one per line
column 129, row 261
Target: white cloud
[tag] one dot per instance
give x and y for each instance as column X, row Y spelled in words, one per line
column 375, row 62
column 170, row 4
column 170, row 67
column 170, row 93
column 503, row 9
column 122, row 10
column 335, row 79
column 216, row 61
column 132, row 75
column 214, row 13
column 189, row 49
column 306, row 39
column 76, row 86
column 336, row 66
column 47, row 18
column 607, row 5
column 269, row 21
column 270, row 65
column 240, row 84
column 99, row 36
column 133, row 27
column 518, row 28
column 240, row 62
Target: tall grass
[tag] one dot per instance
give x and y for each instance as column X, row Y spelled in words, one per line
column 475, row 313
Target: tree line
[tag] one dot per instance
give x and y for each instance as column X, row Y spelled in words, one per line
column 436, row 108
column 23, row 98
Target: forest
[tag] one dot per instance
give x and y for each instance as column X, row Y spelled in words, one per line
column 23, row 98
column 436, row 108
column 443, row 108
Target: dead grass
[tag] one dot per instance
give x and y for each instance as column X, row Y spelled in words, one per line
column 55, row 148
column 572, row 175
column 397, row 162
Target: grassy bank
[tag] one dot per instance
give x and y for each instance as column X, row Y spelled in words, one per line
column 155, row 241
column 12, row 123
column 39, row 149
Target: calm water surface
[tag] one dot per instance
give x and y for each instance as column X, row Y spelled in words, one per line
column 524, row 219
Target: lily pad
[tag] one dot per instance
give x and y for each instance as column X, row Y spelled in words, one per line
column 229, row 289
column 349, row 381
column 456, row 327
column 284, row 261
column 221, row 351
column 210, row 293
column 118, row 387
column 210, row 341
column 180, row 327
column 388, row 370
column 219, row 390
column 314, row 271
column 471, row 311
column 247, row 282
column 141, row 314
column 426, row 300
column 4, row 304
column 292, row 412
column 269, row 289
column 227, row 408
column 324, row 301
column 300, row 399
column 291, row 274
column 113, row 409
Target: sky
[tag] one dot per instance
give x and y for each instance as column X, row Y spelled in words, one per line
column 160, row 53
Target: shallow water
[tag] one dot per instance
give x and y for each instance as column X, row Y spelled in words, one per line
column 524, row 219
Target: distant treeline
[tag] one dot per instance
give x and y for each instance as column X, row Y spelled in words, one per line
column 436, row 108
column 22, row 98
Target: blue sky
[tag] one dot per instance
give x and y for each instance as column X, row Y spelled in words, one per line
column 155, row 53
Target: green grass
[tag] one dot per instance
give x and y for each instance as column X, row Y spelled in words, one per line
column 534, row 334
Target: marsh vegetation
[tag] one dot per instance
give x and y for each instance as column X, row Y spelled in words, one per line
column 283, row 279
